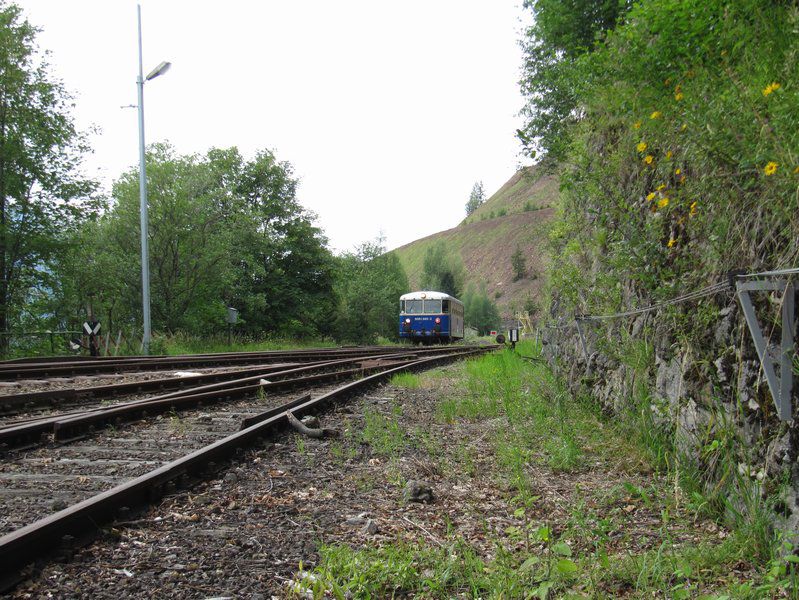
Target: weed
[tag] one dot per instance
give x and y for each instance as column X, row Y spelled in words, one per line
column 176, row 424
column 406, row 380
column 384, row 435
column 300, row 445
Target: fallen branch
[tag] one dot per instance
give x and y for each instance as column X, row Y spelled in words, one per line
column 432, row 536
column 303, row 429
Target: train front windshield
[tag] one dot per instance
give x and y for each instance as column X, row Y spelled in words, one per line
column 432, row 306
column 413, row 307
column 423, row 307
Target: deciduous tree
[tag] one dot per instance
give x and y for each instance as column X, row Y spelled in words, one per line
column 443, row 270
column 43, row 197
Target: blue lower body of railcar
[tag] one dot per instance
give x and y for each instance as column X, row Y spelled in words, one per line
column 425, row 328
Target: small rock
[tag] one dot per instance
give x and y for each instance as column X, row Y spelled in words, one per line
column 418, row 491
column 231, row 479
column 59, row 504
column 356, row 521
column 370, row 527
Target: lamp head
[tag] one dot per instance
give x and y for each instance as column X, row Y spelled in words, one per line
column 159, row 70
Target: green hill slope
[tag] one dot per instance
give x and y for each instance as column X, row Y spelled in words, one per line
column 516, row 216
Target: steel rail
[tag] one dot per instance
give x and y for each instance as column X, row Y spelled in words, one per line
column 82, row 521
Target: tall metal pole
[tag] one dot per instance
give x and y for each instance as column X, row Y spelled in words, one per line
column 145, row 251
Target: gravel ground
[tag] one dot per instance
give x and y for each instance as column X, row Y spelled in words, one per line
column 247, row 533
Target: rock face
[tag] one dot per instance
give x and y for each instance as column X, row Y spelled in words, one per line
column 712, row 400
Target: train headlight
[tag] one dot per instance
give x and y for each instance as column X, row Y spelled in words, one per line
column 438, row 320
column 408, row 321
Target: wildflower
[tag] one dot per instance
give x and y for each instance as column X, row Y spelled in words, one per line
column 667, row 82
column 668, row 154
column 637, row 124
column 641, row 146
column 648, row 159
column 772, row 87
column 693, row 209
column 663, row 203
column 672, row 241
column 650, row 196
column 682, row 179
column 684, row 127
column 678, row 171
column 661, row 187
column 678, row 96
column 770, row 168
column 656, row 115
column 796, row 170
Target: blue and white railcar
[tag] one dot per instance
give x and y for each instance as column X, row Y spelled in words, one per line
column 430, row 317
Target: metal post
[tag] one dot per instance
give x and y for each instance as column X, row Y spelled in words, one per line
column 145, row 251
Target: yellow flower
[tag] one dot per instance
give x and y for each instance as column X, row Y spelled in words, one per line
column 656, row 115
column 682, row 179
column 672, row 241
column 641, row 146
column 770, row 168
column 796, row 170
column 678, row 96
column 662, row 186
column 650, row 196
column 668, row 154
column 637, row 124
column 648, row 159
column 684, row 127
column 772, row 87
column 678, row 171
column 663, row 203
column 693, row 209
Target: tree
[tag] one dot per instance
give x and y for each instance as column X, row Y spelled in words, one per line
column 369, row 284
column 480, row 312
column 476, row 198
column 43, row 198
column 443, row 270
column 563, row 31
column 519, row 264
column 224, row 231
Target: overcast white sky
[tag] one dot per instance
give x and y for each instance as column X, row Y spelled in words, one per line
column 389, row 111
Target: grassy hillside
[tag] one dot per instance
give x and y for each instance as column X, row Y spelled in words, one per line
column 527, row 190
column 516, row 216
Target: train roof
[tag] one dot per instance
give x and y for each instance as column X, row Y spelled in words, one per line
column 429, row 295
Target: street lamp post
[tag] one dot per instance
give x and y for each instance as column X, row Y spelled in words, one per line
column 145, row 251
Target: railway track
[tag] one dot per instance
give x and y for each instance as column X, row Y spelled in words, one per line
column 69, row 367
column 60, row 495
